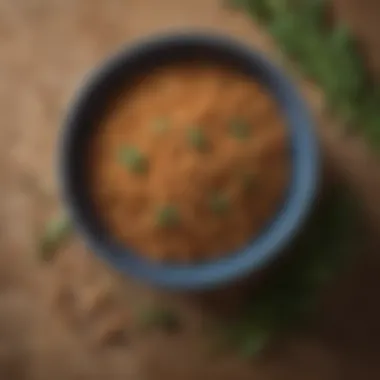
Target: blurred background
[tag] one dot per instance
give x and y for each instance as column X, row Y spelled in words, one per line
column 73, row 317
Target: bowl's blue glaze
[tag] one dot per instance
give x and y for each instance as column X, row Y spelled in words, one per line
column 90, row 105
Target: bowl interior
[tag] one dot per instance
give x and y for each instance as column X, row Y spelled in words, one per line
column 92, row 104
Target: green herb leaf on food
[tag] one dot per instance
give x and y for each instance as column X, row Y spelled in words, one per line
column 249, row 181
column 133, row 159
column 219, row 203
column 161, row 125
column 197, row 139
column 167, row 216
column 239, row 129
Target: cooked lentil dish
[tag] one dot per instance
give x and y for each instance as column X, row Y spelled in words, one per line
column 190, row 163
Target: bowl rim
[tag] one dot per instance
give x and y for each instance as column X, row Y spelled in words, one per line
column 266, row 247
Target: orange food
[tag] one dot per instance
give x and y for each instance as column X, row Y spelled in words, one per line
column 191, row 163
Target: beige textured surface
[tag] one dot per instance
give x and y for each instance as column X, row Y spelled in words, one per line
column 54, row 320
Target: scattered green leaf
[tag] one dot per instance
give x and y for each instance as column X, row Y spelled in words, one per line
column 133, row 159
column 219, row 203
column 167, row 216
column 56, row 233
column 197, row 139
column 235, row 4
column 239, row 129
column 249, row 180
column 159, row 318
column 254, row 343
column 161, row 126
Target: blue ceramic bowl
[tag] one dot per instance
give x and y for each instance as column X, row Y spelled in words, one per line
column 100, row 90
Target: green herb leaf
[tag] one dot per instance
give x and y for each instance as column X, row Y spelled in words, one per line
column 249, row 180
column 254, row 343
column 197, row 139
column 326, row 52
column 259, row 9
column 160, row 126
column 133, row 159
column 57, row 231
column 219, row 203
column 291, row 294
column 235, row 4
column 159, row 318
column 239, row 129
column 167, row 216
